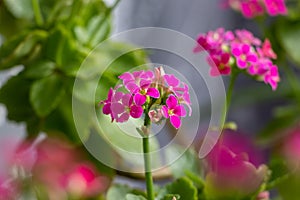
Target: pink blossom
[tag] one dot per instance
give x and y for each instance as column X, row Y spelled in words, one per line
column 272, row 76
column 83, row 180
column 220, row 64
column 276, row 7
column 266, row 50
column 245, row 36
column 232, row 175
column 251, row 8
column 174, row 111
column 244, row 56
column 291, row 148
column 155, row 115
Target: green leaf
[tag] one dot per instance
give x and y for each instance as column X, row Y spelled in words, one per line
column 119, row 192
column 20, row 8
column 39, row 69
column 279, row 172
column 14, row 94
column 46, row 93
column 183, row 187
column 134, row 197
column 171, row 197
column 288, row 34
column 180, row 167
column 19, row 47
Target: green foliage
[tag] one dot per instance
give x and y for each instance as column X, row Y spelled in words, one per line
column 123, row 192
column 182, row 187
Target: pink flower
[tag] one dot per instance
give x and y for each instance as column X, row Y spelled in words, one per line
column 232, row 175
column 266, row 50
column 155, row 115
column 174, row 111
column 245, row 36
column 291, row 148
column 276, row 7
column 244, row 56
column 220, row 65
column 123, row 107
column 83, row 180
column 272, row 76
column 251, row 8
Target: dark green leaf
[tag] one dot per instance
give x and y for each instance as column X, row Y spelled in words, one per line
column 15, row 95
column 46, row 93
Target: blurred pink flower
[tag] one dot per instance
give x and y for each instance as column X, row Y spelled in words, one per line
column 61, row 170
column 291, row 148
column 232, row 175
column 251, row 8
column 254, row 8
column 276, row 7
column 240, row 49
column 263, row 196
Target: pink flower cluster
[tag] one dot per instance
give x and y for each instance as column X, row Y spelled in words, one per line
column 239, row 49
column 253, row 8
column 155, row 94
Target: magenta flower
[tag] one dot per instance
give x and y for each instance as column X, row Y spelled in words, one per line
column 220, row 64
column 244, row 56
column 145, row 91
column 276, row 7
column 243, row 50
column 263, row 196
column 174, row 111
column 251, row 8
column 123, row 107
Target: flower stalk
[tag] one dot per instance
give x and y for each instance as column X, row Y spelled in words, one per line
column 37, row 12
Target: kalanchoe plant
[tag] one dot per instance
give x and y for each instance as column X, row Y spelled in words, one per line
column 239, row 51
column 154, row 95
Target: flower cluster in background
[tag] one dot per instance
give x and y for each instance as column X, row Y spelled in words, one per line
column 155, row 93
column 254, row 8
column 239, row 49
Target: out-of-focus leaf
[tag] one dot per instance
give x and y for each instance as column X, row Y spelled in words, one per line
column 289, row 189
column 20, row 8
column 119, row 192
column 39, row 69
column 46, row 93
column 180, row 167
column 183, row 187
column 15, row 95
column 134, row 197
column 279, row 172
column 171, row 197
column 61, row 49
column 19, row 47
column 9, row 24
column 288, row 33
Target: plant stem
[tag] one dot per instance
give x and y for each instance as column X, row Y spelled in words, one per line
column 148, row 173
column 147, row 159
column 37, row 12
column 228, row 99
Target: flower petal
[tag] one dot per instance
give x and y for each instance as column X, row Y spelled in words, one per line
column 106, row 109
column 136, row 111
column 175, row 121
column 117, row 108
column 180, row 111
column 164, row 111
column 153, row 92
column 172, row 102
column 171, row 80
column 123, row 118
column 139, row 99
